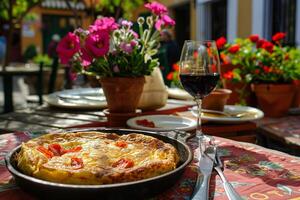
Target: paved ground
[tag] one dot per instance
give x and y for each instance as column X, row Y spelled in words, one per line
column 19, row 95
column 21, row 91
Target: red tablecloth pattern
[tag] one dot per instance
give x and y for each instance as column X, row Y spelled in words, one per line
column 255, row 172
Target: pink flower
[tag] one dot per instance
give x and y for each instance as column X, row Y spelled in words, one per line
column 168, row 20
column 133, row 43
column 86, row 56
column 126, row 23
column 104, row 24
column 67, row 47
column 156, row 8
column 164, row 21
column 135, row 35
column 127, row 48
column 98, row 43
column 158, row 24
column 116, row 69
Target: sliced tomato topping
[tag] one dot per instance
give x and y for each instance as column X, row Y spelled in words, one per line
column 56, row 149
column 146, row 123
column 123, row 163
column 121, row 144
column 45, row 151
column 75, row 149
column 76, row 163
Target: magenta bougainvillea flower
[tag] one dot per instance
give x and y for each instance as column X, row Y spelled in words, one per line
column 87, row 58
column 104, row 24
column 67, row 47
column 156, row 8
column 98, row 43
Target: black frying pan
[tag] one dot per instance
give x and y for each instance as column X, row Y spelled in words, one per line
column 130, row 190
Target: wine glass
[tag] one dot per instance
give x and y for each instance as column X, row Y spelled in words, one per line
column 199, row 75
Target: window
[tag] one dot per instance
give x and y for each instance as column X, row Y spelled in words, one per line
column 284, row 19
column 218, row 16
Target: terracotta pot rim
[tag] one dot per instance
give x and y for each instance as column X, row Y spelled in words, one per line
column 107, row 113
column 221, row 91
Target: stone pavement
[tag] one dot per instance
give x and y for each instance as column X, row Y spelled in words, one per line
column 20, row 91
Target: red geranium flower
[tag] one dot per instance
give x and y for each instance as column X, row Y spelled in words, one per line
column 254, row 38
column 234, row 48
column 228, row 75
column 170, row 76
column 278, row 36
column 221, row 42
column 268, row 46
column 175, row 67
column 266, row 69
column 224, row 58
column 259, row 43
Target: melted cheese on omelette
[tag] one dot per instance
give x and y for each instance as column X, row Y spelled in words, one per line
column 96, row 158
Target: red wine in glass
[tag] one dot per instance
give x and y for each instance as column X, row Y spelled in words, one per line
column 199, row 85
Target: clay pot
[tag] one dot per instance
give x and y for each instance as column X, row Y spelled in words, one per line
column 216, row 100
column 122, row 93
column 296, row 100
column 274, row 99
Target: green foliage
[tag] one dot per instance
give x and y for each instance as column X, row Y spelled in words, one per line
column 20, row 7
column 110, row 7
column 30, row 52
column 43, row 58
column 262, row 65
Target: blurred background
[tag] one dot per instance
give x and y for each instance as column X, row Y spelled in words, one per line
column 31, row 29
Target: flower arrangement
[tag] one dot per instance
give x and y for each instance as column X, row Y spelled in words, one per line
column 111, row 49
column 259, row 60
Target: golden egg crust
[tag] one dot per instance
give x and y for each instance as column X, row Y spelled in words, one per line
column 90, row 158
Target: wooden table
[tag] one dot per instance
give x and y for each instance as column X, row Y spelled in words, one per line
column 12, row 71
column 280, row 133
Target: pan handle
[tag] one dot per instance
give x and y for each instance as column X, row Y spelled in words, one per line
column 179, row 135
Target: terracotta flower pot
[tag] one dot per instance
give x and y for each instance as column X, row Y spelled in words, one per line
column 274, row 99
column 296, row 100
column 216, row 100
column 122, row 93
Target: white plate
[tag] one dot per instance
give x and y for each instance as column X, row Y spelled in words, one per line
column 177, row 93
column 81, row 98
column 254, row 114
column 164, row 123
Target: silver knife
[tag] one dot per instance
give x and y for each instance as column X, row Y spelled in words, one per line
column 201, row 191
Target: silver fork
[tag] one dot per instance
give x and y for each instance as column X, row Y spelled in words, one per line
column 230, row 191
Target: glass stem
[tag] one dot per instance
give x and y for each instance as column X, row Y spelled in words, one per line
column 199, row 132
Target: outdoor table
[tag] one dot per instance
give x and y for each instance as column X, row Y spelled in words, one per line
column 255, row 172
column 13, row 71
column 281, row 133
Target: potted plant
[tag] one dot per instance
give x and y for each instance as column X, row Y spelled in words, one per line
column 268, row 67
column 117, row 54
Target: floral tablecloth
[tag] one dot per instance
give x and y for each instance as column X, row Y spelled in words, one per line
column 255, row 172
